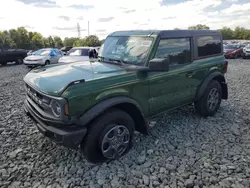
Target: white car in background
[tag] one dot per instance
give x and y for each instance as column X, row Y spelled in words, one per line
column 43, row 56
column 76, row 54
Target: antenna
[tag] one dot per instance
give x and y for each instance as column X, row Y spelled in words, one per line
column 79, row 30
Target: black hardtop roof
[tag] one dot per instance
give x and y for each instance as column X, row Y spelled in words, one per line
column 165, row 33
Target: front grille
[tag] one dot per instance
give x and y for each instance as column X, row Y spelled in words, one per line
column 32, row 60
column 37, row 98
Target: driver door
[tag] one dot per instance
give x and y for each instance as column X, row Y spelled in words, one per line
column 53, row 56
column 173, row 88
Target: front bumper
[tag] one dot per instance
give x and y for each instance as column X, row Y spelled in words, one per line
column 246, row 54
column 229, row 55
column 33, row 63
column 67, row 135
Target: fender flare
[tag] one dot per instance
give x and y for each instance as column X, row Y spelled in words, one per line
column 100, row 107
column 208, row 79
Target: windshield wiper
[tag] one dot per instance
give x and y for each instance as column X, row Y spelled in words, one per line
column 116, row 61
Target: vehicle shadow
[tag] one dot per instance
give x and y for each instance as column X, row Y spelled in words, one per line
column 180, row 133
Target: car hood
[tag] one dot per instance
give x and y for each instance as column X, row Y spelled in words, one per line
column 34, row 57
column 229, row 50
column 54, row 78
column 71, row 59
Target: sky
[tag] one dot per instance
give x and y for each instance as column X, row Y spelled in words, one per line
column 60, row 17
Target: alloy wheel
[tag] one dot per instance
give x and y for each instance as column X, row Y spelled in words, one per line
column 115, row 142
column 213, row 99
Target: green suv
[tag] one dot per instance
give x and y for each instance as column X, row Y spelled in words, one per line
column 96, row 105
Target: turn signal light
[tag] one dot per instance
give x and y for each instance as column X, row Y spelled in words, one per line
column 66, row 109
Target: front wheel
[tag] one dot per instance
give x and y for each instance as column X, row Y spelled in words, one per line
column 19, row 61
column 109, row 137
column 47, row 62
column 210, row 102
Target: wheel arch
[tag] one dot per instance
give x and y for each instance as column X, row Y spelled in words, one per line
column 124, row 103
column 218, row 76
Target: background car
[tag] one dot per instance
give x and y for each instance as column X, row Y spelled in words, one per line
column 233, row 51
column 43, row 56
column 246, row 52
column 10, row 55
column 66, row 49
column 246, row 43
column 76, row 54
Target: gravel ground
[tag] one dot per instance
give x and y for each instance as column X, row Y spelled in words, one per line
column 182, row 150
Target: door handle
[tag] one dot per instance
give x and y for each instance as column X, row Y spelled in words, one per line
column 189, row 74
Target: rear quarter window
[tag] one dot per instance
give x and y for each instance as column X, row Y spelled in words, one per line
column 209, row 45
column 85, row 52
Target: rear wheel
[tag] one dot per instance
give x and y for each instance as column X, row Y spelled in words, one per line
column 109, row 137
column 210, row 102
column 47, row 62
column 3, row 64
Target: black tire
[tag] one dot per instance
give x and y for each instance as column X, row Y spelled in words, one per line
column 47, row 62
column 19, row 61
column 3, row 64
column 100, row 128
column 202, row 106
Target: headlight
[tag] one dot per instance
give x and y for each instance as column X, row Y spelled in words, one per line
column 56, row 108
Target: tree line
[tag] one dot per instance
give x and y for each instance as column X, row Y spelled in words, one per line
column 239, row 33
column 24, row 39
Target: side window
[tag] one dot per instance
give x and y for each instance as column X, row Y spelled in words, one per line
column 208, row 45
column 58, row 53
column 177, row 50
column 85, row 52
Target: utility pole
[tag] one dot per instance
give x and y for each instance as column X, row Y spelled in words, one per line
column 79, row 30
column 88, row 28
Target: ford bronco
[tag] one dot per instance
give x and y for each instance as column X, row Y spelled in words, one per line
column 96, row 105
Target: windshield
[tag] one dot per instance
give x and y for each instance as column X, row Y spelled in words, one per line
column 129, row 49
column 78, row 52
column 42, row 52
column 229, row 47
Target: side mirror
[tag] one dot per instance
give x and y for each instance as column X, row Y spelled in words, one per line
column 92, row 53
column 159, row 65
column 52, row 54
